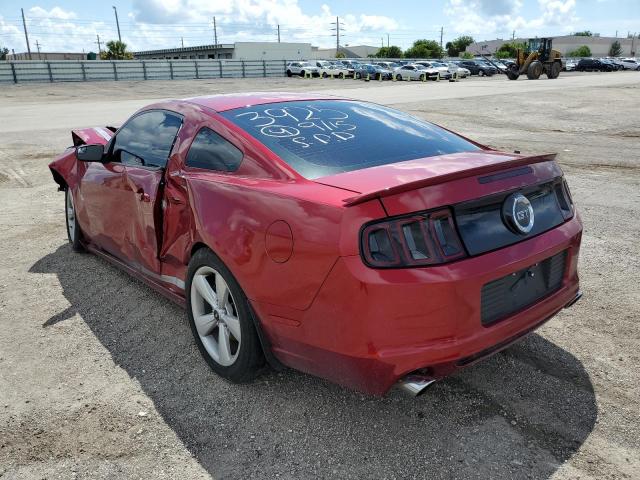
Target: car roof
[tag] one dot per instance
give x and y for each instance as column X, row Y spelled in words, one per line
column 222, row 103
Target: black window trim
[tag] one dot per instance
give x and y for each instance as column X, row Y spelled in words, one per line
column 190, row 168
column 112, row 141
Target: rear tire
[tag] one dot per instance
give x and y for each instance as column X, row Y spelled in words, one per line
column 289, row 73
column 302, row 73
column 534, row 70
column 324, row 75
column 553, row 71
column 341, row 75
column 481, row 73
column 224, row 332
column 73, row 228
column 399, row 77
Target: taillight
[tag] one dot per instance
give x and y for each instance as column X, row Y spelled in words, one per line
column 564, row 199
column 428, row 238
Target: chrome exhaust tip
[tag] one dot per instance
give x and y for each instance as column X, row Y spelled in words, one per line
column 415, row 384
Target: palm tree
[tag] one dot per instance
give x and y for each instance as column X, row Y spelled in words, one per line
column 116, row 50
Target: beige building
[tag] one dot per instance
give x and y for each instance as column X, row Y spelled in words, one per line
column 353, row 51
column 599, row 46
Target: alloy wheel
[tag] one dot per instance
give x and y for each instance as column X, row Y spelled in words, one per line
column 215, row 316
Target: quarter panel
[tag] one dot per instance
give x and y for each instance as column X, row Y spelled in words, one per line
column 232, row 219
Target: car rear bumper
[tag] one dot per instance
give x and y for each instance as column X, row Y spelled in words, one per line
column 368, row 328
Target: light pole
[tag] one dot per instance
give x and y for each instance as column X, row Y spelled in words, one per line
column 117, row 23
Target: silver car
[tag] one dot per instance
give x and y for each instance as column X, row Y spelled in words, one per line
column 461, row 71
column 301, row 68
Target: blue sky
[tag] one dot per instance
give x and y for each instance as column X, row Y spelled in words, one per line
column 72, row 25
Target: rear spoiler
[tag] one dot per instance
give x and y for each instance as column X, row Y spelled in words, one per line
column 405, row 187
column 90, row 136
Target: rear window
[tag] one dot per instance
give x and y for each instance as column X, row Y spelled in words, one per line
column 320, row 138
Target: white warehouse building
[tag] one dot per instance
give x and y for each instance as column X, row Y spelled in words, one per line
column 236, row 51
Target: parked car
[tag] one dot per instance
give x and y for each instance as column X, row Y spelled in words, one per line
column 570, row 65
column 630, row 63
column 261, row 214
column 375, row 72
column 327, row 69
column 461, row 71
column 389, row 65
column 611, row 65
column 415, row 72
column 478, row 68
column 440, row 67
column 592, row 65
column 300, row 68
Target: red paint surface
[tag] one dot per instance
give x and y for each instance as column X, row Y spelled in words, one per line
column 292, row 244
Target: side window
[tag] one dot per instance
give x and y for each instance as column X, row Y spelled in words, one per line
column 147, row 139
column 209, row 150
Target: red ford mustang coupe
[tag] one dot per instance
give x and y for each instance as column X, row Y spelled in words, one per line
column 341, row 238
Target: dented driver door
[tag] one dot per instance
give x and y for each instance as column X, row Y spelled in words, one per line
column 143, row 147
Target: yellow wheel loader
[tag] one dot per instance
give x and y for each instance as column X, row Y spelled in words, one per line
column 537, row 58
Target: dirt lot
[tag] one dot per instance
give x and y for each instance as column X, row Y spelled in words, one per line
column 99, row 377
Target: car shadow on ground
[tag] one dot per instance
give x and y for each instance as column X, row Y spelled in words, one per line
column 521, row 413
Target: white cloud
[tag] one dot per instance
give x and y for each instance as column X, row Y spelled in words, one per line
column 501, row 17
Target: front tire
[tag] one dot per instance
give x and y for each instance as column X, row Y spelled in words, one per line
column 220, row 319
column 73, row 228
column 289, row 73
column 481, row 73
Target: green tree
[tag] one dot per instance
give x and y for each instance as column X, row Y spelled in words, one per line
column 458, row 45
column 424, row 49
column 582, row 51
column 340, row 55
column 389, row 52
column 616, row 49
column 116, row 50
column 466, row 55
column 509, row 49
column 3, row 53
column 585, row 33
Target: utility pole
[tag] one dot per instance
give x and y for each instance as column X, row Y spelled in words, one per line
column 38, row 47
column 182, row 41
column 99, row 44
column 278, row 33
column 387, row 40
column 513, row 35
column 215, row 38
column 441, row 33
column 337, row 34
column 117, row 23
column 26, row 35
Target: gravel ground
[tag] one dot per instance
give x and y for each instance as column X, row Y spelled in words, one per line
column 99, row 377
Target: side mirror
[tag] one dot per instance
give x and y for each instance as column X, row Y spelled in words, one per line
column 90, row 153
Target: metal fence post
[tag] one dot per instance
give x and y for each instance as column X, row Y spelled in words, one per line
column 264, row 68
column 243, row 75
column 84, row 74
column 171, row 69
column 144, row 70
column 50, row 73
column 195, row 63
column 115, row 71
column 284, row 67
column 13, row 71
column 220, row 67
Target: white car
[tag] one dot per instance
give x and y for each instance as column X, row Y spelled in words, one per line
column 462, row 72
column 301, row 68
column 414, row 72
column 441, row 67
column 327, row 69
column 629, row 63
column 570, row 65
